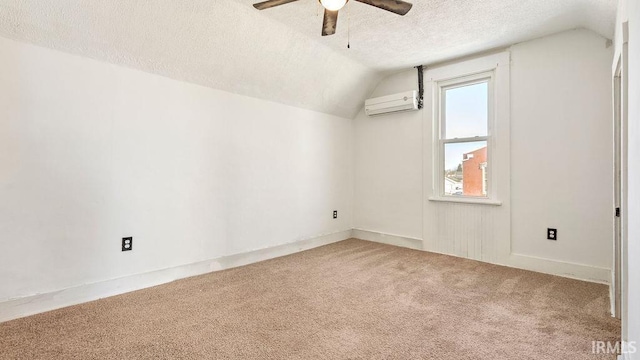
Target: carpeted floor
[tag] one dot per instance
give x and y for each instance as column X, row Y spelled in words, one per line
column 349, row 300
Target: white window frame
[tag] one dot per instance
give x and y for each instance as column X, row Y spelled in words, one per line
column 440, row 128
column 495, row 68
column 485, row 179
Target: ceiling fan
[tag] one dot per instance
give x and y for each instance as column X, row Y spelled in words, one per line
column 331, row 8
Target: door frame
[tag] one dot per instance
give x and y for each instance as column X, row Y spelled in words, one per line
column 620, row 112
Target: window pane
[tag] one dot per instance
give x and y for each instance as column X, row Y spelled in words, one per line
column 465, row 171
column 466, row 111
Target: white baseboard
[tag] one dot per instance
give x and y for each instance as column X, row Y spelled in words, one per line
column 397, row 240
column 30, row 305
column 560, row 268
column 525, row 262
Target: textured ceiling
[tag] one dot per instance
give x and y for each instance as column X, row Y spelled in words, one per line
column 278, row 54
column 438, row 30
column 222, row 44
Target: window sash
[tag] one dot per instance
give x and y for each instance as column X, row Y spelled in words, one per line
column 442, row 87
column 442, row 166
column 459, row 83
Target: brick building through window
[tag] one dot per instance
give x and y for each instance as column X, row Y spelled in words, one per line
column 474, row 173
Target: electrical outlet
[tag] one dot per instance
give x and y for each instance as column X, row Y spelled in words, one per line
column 335, row 214
column 552, row 234
column 127, row 244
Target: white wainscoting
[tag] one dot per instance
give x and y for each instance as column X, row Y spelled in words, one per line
column 472, row 231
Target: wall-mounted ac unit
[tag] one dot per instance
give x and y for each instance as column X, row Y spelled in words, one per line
column 405, row 101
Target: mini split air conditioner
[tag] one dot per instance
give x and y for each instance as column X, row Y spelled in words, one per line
column 405, row 101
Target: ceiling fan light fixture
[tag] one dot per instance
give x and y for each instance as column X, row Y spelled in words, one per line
column 333, row 5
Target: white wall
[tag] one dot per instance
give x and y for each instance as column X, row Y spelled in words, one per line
column 561, row 161
column 92, row 152
column 388, row 166
column 561, row 148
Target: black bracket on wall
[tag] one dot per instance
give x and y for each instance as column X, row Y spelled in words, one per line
column 420, row 86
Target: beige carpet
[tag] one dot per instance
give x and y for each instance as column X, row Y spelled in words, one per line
column 349, row 300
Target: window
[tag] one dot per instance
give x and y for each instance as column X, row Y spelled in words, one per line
column 467, row 146
column 463, row 124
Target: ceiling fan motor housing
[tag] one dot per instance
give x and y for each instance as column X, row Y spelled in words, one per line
column 331, row 8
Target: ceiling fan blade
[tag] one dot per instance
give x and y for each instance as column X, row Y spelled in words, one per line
column 271, row 3
column 395, row 6
column 329, row 23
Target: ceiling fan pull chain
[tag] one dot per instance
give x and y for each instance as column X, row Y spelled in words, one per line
column 348, row 26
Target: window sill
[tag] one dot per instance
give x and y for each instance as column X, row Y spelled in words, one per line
column 466, row 200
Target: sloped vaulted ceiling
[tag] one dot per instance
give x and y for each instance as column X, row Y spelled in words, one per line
column 222, row 44
column 438, row 30
column 278, row 54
